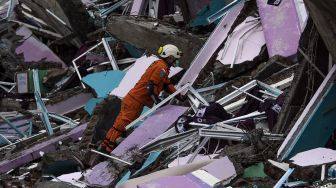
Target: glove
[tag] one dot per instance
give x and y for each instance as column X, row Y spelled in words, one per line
column 155, row 99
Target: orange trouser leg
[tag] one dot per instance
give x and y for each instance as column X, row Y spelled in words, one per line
column 130, row 110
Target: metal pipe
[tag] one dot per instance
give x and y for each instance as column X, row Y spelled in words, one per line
column 111, row 157
column 284, row 178
column 198, row 96
column 236, row 93
column 200, row 146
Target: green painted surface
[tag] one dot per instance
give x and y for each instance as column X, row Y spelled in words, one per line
column 255, row 171
column 319, row 126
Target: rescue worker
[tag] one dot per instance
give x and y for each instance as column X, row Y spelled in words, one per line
column 144, row 93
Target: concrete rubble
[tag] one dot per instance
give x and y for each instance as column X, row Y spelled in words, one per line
column 258, row 77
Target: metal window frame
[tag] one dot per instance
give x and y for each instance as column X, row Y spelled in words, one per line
column 163, row 143
column 13, row 127
column 235, row 135
column 40, row 104
column 8, row 90
column 247, row 87
column 108, row 52
column 25, row 139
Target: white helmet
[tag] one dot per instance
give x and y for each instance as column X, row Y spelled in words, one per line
column 168, row 50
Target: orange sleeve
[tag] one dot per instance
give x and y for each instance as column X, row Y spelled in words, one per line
column 157, row 74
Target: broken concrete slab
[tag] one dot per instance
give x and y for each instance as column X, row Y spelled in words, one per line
column 61, row 16
column 281, row 27
column 146, row 35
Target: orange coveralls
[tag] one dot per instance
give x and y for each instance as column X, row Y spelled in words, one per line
column 138, row 97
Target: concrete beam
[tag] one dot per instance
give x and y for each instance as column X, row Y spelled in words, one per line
column 145, row 35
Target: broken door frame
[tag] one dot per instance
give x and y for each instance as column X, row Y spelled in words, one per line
column 108, row 52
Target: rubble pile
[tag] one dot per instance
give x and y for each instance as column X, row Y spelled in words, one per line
column 254, row 104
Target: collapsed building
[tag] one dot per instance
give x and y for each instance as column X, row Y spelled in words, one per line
column 258, row 76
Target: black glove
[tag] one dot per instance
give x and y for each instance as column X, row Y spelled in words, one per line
column 155, row 99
